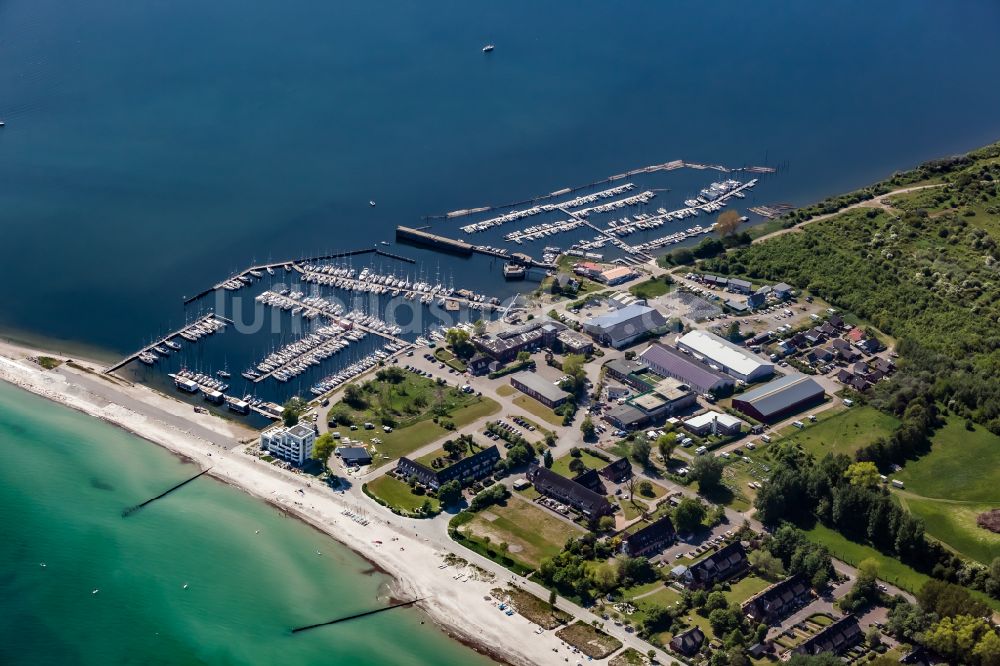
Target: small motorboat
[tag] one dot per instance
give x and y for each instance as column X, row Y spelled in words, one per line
column 371, row 203
column 488, row 48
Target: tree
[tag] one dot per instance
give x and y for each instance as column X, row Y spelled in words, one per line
column 666, row 445
column 577, row 377
column 450, row 493
column 949, row 600
column 606, row 576
column 523, row 356
column 707, row 471
column 689, row 514
column 547, row 459
column 640, row 451
column 588, row 429
column 479, row 328
column 765, row 564
column 455, row 448
column 292, row 410
column 873, row 637
column 577, row 466
column 646, row 488
column 354, row 396
column 323, row 447
column 427, row 507
column 606, row 523
column 458, row 340
column 907, row 621
column 550, row 439
column 733, row 332
column 863, row 474
column 865, row 591
column 727, row 223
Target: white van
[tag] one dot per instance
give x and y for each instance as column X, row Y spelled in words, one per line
column 766, row 438
column 798, row 424
column 701, row 450
column 896, row 483
column 848, row 402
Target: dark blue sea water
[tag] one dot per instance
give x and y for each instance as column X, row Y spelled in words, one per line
column 151, row 148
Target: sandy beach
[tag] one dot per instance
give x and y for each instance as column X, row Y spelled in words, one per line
column 412, row 552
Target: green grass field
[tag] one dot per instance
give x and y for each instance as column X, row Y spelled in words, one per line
column 844, row 431
column 650, row 288
column 530, row 533
column 746, row 588
column 952, row 484
column 561, row 465
column 398, row 494
column 532, row 406
column 403, row 441
column 962, row 465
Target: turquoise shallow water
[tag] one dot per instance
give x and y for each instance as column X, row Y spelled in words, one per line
column 64, row 481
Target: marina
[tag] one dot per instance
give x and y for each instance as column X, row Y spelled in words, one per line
column 150, row 354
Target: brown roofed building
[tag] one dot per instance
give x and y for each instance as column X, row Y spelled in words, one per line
column 837, row 638
column 778, row 600
column 717, row 567
column 650, row 540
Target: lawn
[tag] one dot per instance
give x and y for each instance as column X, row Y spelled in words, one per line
column 890, row 569
column 955, row 525
column 561, row 465
column 746, row 588
column 665, row 597
column 651, row 288
column 952, row 484
column 844, row 431
column 531, row 534
column 398, row 494
column 630, row 509
column 532, row 406
column 403, row 441
column 505, row 390
column 961, row 465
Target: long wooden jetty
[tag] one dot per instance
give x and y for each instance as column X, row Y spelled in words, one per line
column 454, row 246
column 131, row 357
column 355, row 616
column 295, row 263
column 132, row 509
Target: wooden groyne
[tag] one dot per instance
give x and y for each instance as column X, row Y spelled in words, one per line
column 356, row 615
column 294, row 263
column 132, row 509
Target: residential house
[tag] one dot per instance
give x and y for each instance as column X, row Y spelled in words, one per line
column 782, row 290
column 837, row 638
column 778, row 600
column 569, row 492
column 650, row 540
column 471, row 468
column 720, row 566
column 617, row 471
column 688, row 642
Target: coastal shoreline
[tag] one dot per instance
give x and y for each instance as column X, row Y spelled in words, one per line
column 458, row 609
